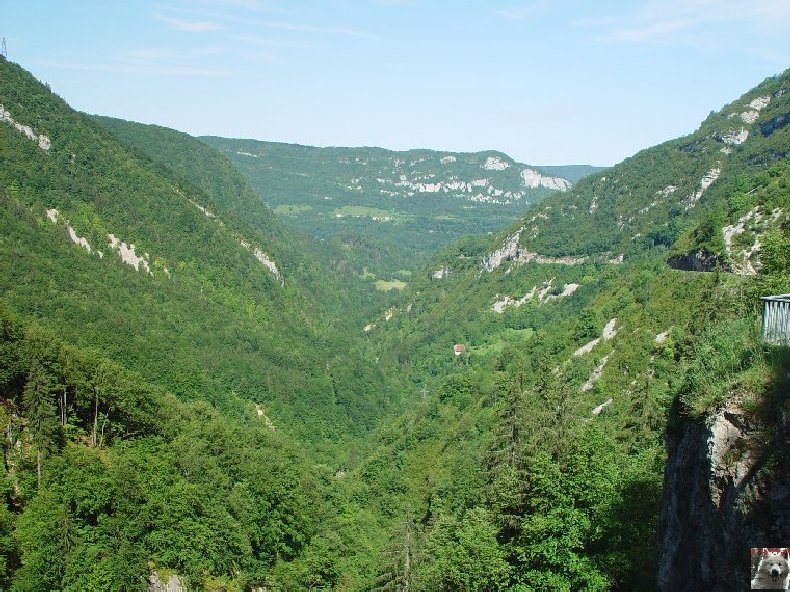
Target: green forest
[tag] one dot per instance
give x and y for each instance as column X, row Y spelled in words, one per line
column 194, row 387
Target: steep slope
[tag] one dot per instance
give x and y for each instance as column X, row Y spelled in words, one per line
column 411, row 202
column 149, row 270
column 540, row 447
column 319, row 267
column 672, row 191
column 109, row 481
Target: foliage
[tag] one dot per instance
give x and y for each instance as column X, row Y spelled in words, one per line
column 213, row 423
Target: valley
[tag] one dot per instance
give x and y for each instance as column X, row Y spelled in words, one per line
column 234, row 363
column 390, row 210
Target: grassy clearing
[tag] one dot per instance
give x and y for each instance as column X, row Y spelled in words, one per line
column 497, row 342
column 393, row 284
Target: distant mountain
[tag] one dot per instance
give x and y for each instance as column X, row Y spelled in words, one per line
column 571, row 172
column 410, row 202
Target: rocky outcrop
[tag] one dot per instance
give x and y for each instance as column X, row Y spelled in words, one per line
column 532, row 179
column 42, row 140
column 725, row 491
column 697, row 261
column 156, row 584
column 774, row 124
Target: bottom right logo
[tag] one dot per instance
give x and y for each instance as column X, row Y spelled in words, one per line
column 770, row 568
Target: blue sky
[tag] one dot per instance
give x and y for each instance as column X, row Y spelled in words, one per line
column 548, row 82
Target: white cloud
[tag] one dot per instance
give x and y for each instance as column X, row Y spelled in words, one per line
column 523, row 11
column 191, row 26
column 303, row 28
column 667, row 21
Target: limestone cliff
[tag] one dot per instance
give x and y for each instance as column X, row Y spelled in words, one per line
column 726, row 489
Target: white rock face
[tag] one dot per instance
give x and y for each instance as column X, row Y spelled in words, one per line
column 495, row 163
column 241, row 153
column 704, row 183
column 598, row 410
column 42, row 140
column 734, row 138
column 128, row 254
column 441, row 273
column 54, row 216
column 508, row 251
column 268, row 263
column 533, row 179
column 662, row 337
column 593, row 204
column 207, row 213
column 755, row 105
column 264, row 260
column 78, row 240
column 745, row 261
column 723, row 437
column 525, row 256
column 541, row 292
column 760, row 103
column 594, row 376
column 447, row 159
column 173, row 584
column 608, row 332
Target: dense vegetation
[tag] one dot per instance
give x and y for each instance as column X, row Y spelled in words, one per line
column 358, row 198
column 214, row 420
column 209, row 321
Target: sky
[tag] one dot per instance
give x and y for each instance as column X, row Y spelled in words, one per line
column 548, row 82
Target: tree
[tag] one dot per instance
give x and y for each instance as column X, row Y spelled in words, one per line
column 465, row 554
column 39, row 408
column 398, row 567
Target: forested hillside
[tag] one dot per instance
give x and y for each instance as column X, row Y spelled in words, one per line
column 193, row 393
column 678, row 194
column 535, row 458
column 391, row 209
column 204, row 295
column 322, row 267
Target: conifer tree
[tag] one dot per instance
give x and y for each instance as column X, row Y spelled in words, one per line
column 40, row 412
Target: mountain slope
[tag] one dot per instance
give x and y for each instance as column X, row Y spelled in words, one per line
column 540, row 447
column 318, row 267
column 162, row 280
column 411, row 202
column 663, row 193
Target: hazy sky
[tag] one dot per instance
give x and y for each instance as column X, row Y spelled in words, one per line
column 548, row 82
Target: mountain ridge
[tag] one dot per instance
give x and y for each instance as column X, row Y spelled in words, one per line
column 410, row 202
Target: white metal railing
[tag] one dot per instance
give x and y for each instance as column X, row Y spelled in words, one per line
column 776, row 319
